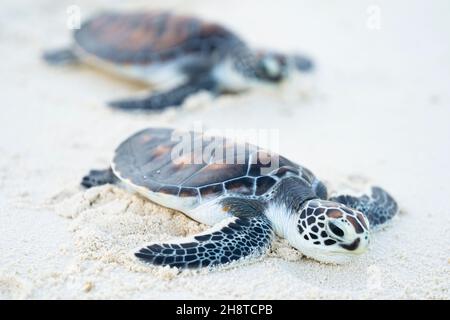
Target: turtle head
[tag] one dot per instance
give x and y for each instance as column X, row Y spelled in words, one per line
column 330, row 232
column 275, row 67
column 271, row 66
column 266, row 66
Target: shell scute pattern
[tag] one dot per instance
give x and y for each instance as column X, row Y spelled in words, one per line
column 242, row 186
column 171, row 190
column 212, row 191
column 264, row 184
column 281, row 172
column 189, row 192
column 146, row 160
column 143, row 38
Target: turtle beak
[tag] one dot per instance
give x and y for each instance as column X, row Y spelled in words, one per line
column 358, row 246
column 303, row 64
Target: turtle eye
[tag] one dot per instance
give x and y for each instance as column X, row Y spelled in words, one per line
column 335, row 229
column 270, row 68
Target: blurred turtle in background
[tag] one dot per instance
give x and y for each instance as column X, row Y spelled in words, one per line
column 177, row 55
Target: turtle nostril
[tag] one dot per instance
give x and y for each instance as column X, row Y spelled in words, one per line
column 335, row 229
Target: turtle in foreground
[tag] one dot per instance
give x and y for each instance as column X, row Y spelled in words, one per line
column 176, row 55
column 246, row 199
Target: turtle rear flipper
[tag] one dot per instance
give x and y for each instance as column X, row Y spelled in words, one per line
column 171, row 98
column 239, row 238
column 379, row 207
column 60, row 57
column 98, row 177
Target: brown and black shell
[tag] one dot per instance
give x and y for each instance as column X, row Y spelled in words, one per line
column 153, row 159
column 148, row 37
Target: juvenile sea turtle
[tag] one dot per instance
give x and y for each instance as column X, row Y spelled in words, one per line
column 246, row 202
column 177, row 55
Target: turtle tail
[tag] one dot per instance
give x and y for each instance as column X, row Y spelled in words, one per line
column 60, row 57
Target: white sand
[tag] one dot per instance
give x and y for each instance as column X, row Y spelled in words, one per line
column 380, row 110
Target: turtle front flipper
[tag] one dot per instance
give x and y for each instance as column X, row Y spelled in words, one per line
column 161, row 100
column 379, row 207
column 238, row 238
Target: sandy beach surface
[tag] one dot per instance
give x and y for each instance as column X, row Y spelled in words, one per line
column 376, row 110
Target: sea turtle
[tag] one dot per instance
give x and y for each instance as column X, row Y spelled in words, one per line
column 177, row 55
column 246, row 199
